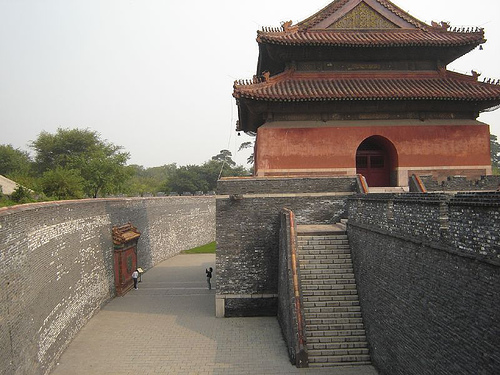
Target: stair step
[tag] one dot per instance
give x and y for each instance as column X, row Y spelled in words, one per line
column 330, row 298
column 326, row 237
column 336, row 339
column 333, row 334
column 335, row 315
column 354, row 359
column 326, row 282
column 330, row 292
column 332, row 247
column 306, row 256
column 332, row 310
column 338, row 327
column 336, row 286
column 337, row 322
column 329, row 302
column 307, row 262
column 341, row 274
column 338, row 352
column 317, row 272
column 330, row 244
column 331, row 266
column 328, row 252
column 337, row 346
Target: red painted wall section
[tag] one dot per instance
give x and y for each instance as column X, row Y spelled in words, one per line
column 335, row 147
column 125, row 263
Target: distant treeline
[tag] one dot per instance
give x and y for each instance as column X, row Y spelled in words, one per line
column 77, row 163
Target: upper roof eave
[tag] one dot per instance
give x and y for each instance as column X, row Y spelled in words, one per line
column 378, row 38
column 293, row 86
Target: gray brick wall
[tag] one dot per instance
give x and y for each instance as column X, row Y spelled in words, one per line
column 281, row 185
column 428, row 271
column 248, row 236
column 56, row 264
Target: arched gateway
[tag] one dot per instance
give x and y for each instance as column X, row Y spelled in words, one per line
column 376, row 159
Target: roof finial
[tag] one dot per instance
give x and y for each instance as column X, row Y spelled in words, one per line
column 288, row 28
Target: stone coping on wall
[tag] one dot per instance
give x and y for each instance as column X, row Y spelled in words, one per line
column 433, row 245
column 286, row 185
column 285, row 195
column 32, row 206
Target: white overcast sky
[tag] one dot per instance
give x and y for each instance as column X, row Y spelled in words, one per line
column 156, row 76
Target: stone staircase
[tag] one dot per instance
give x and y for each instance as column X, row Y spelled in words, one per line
column 334, row 325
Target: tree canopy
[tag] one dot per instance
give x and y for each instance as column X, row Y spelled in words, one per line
column 100, row 164
column 13, row 161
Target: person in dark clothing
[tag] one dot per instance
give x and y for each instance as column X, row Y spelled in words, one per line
column 209, row 277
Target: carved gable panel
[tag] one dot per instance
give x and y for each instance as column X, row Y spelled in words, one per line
column 363, row 17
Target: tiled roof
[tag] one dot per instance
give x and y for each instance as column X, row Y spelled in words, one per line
column 406, row 30
column 336, row 5
column 385, row 38
column 124, row 234
column 292, row 86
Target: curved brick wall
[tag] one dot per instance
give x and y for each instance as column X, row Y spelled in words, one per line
column 56, row 266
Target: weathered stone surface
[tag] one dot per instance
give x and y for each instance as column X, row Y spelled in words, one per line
column 428, row 276
column 461, row 183
column 56, row 265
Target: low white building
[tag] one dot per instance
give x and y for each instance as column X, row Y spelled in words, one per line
column 8, row 186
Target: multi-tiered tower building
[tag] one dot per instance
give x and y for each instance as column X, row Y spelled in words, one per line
column 362, row 87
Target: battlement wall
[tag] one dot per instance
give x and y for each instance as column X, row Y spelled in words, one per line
column 56, row 265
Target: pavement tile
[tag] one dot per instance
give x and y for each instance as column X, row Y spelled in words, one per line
column 168, row 326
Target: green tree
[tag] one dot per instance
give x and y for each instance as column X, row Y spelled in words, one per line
column 192, row 178
column 224, row 156
column 21, row 195
column 244, row 146
column 188, row 178
column 495, row 153
column 62, row 183
column 104, row 171
column 151, row 180
column 14, row 161
column 101, row 165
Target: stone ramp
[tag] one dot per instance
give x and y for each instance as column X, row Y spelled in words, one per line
column 168, row 326
column 334, row 325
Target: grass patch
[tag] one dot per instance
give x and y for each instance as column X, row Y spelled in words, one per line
column 209, row 248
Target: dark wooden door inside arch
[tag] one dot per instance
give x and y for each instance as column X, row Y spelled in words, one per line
column 374, row 165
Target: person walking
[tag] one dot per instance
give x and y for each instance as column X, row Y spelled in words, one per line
column 209, row 277
column 135, row 275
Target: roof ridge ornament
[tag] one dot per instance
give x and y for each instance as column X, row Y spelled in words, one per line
column 288, row 27
column 442, row 25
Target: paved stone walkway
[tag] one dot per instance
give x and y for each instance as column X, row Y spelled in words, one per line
column 168, row 326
